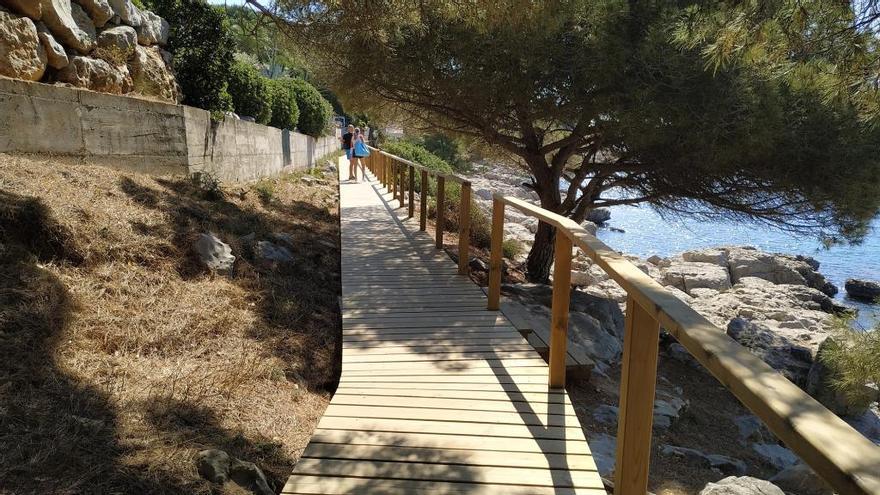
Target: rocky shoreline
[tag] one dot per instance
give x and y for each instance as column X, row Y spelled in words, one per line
column 778, row 306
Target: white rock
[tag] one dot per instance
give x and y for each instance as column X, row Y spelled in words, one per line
column 127, row 12
column 22, row 54
column 116, row 45
column 153, row 29
column 99, row 10
column 214, row 253
column 70, row 24
column 690, row 275
column 28, row 8
column 715, row 256
column 743, row 485
column 55, row 53
column 483, row 194
column 97, row 75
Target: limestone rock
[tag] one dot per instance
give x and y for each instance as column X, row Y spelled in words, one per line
column 667, row 410
column 54, row 51
column 753, row 430
column 695, row 275
column 776, row 268
column 743, row 485
column 792, row 360
column 604, row 449
column 70, row 24
column 727, row 465
column 599, row 215
column 802, row 480
column 153, row 29
column 716, row 256
column 590, row 227
column 97, row 75
column 776, row 455
column 214, row 253
column 484, row 194
column 99, row 10
column 865, row 290
column 27, row 8
column 22, row 55
column 127, row 12
column 269, row 254
column 116, row 45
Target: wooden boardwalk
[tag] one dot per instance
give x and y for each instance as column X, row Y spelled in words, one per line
column 437, row 394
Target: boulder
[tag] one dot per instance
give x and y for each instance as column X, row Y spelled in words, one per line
column 727, row 465
column 127, row 12
column 776, row 455
column 70, row 24
column 116, row 45
column 590, row 227
column 604, row 449
column 715, row 256
column 55, row 53
column 667, row 410
column 792, row 360
column 865, row 290
column 219, row 467
column 269, row 254
column 776, row 268
column 599, row 215
column 802, row 480
column 22, row 55
column 97, row 75
column 752, row 430
column 743, row 485
column 656, row 260
column 99, row 10
column 696, row 275
column 27, row 8
column 819, row 385
column 151, row 76
column 484, row 194
column 214, row 253
column 153, row 29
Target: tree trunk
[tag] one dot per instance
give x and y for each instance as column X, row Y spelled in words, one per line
column 541, row 256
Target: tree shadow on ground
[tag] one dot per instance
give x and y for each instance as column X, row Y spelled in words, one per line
column 57, row 435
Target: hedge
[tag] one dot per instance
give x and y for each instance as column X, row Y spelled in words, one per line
column 315, row 111
column 285, row 112
column 250, row 92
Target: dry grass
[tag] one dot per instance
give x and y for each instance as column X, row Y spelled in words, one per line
column 122, row 357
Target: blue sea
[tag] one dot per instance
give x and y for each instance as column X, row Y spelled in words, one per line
column 647, row 233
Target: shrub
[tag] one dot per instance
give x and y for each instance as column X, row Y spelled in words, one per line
column 452, row 150
column 853, row 358
column 250, row 92
column 285, row 112
column 315, row 112
column 511, row 248
column 202, row 47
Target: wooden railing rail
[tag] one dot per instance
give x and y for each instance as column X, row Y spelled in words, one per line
column 844, row 458
column 399, row 176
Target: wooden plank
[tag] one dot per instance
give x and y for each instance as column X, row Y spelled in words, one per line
column 449, row 368
column 448, row 472
column 546, row 396
column 363, row 411
column 438, row 356
column 474, row 387
column 455, row 403
column 337, row 485
column 451, row 428
column 575, row 462
column 448, row 348
column 458, row 341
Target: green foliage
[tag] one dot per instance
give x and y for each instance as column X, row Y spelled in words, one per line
column 511, row 248
column 315, row 112
column 265, row 191
column 202, row 50
column 285, row 112
column 250, row 92
column 450, row 149
column 260, row 37
column 210, row 186
column 853, row 357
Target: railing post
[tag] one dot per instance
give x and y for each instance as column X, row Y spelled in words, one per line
column 559, row 309
column 636, row 413
column 412, row 191
column 441, row 210
column 495, row 255
column 391, row 175
column 401, row 172
column 464, row 229
column 423, row 202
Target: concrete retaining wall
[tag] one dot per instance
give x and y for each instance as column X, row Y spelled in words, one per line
column 146, row 136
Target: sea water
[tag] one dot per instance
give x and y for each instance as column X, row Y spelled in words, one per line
column 646, row 233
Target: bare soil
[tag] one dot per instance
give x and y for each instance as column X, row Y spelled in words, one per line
column 121, row 356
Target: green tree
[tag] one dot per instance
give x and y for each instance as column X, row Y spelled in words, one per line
column 202, row 49
column 285, row 112
column 602, row 106
column 315, row 112
column 250, row 92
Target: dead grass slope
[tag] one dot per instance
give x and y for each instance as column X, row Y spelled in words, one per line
column 120, row 357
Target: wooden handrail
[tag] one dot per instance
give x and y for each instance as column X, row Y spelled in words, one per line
column 844, row 458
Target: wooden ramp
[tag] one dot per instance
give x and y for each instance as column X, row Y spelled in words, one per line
column 437, row 394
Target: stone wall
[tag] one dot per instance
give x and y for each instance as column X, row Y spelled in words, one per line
column 147, row 136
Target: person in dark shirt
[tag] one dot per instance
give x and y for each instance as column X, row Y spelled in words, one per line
column 347, row 147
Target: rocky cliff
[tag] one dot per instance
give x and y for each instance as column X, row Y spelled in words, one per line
column 109, row 46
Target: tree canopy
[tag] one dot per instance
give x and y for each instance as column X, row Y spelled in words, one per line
column 603, row 104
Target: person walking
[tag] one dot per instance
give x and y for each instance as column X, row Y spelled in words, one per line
column 359, row 151
column 347, row 146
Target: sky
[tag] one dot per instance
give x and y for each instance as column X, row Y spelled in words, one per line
column 226, row 2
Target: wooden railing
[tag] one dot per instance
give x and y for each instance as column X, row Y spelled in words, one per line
column 393, row 171
column 845, row 459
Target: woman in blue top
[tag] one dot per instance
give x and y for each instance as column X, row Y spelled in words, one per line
column 359, row 151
